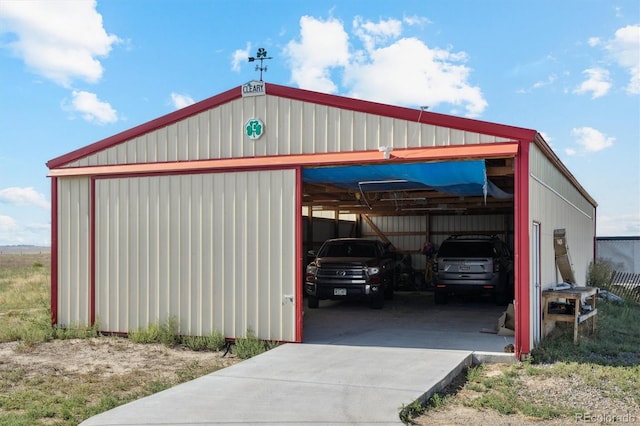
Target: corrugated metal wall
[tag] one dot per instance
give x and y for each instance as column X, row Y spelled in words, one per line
column 291, row 127
column 214, row 251
column 73, row 247
column 623, row 252
column 556, row 204
column 408, row 233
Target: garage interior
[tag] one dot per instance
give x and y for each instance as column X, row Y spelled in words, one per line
column 346, row 208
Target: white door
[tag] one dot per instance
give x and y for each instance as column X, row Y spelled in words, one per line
column 535, row 281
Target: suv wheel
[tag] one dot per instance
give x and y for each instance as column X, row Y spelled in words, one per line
column 377, row 302
column 500, row 297
column 440, row 297
column 313, row 302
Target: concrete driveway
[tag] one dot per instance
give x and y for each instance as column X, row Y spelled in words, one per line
column 411, row 320
column 358, row 366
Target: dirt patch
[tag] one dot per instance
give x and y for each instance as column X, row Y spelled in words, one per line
column 102, row 357
column 106, row 358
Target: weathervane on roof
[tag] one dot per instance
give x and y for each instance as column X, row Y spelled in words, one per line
column 260, row 56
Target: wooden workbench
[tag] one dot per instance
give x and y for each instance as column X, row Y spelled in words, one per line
column 570, row 305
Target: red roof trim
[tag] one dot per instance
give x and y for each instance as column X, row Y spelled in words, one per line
column 147, row 127
column 401, row 113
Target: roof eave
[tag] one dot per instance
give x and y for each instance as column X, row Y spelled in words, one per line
column 358, row 105
column 147, row 127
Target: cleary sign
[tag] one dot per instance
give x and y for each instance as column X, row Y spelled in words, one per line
column 253, row 88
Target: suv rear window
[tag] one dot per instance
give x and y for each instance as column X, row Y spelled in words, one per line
column 466, row 249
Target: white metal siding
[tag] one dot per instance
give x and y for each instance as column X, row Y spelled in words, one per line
column 214, row 251
column 444, row 226
column 291, row 127
column 556, row 204
column 73, row 248
column 408, row 233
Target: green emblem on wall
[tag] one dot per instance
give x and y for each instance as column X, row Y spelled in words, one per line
column 254, row 128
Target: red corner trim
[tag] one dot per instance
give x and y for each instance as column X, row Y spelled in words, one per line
column 54, row 251
column 299, row 300
column 522, row 252
column 92, row 254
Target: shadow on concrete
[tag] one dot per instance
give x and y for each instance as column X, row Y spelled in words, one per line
column 410, row 320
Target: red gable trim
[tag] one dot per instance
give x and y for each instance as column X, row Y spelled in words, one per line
column 358, row 105
column 402, row 113
column 147, row 127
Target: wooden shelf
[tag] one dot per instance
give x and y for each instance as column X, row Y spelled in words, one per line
column 574, row 299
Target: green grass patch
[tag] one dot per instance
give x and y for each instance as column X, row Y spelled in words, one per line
column 250, row 346
column 213, row 342
column 166, row 332
column 607, row 362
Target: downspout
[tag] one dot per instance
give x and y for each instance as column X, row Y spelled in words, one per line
column 522, row 244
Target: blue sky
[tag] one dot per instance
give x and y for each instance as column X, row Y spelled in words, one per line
column 75, row 72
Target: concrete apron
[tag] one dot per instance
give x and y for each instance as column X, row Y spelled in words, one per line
column 293, row 383
column 359, row 366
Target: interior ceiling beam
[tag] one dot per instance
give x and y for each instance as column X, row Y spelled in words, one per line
column 495, row 171
column 416, row 201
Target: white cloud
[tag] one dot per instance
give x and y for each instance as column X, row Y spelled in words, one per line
column 60, row 40
column 625, row 48
column 323, row 45
column 416, row 20
column 597, row 83
column 593, row 41
column 372, row 34
column 421, row 75
column 14, row 233
column 551, row 78
column 627, row 224
column 239, row 57
column 181, row 100
column 24, row 197
column 589, row 140
column 91, row 108
column 8, row 225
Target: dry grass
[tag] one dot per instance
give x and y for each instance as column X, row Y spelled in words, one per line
column 24, row 283
column 24, row 260
column 48, row 381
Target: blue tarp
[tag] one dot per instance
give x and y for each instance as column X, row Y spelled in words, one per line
column 464, row 178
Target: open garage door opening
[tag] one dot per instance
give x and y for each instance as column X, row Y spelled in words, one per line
column 410, row 209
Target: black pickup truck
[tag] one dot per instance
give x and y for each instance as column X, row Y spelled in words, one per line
column 351, row 268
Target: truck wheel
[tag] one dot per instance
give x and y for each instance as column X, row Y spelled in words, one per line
column 377, row 302
column 440, row 297
column 388, row 292
column 313, row 302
